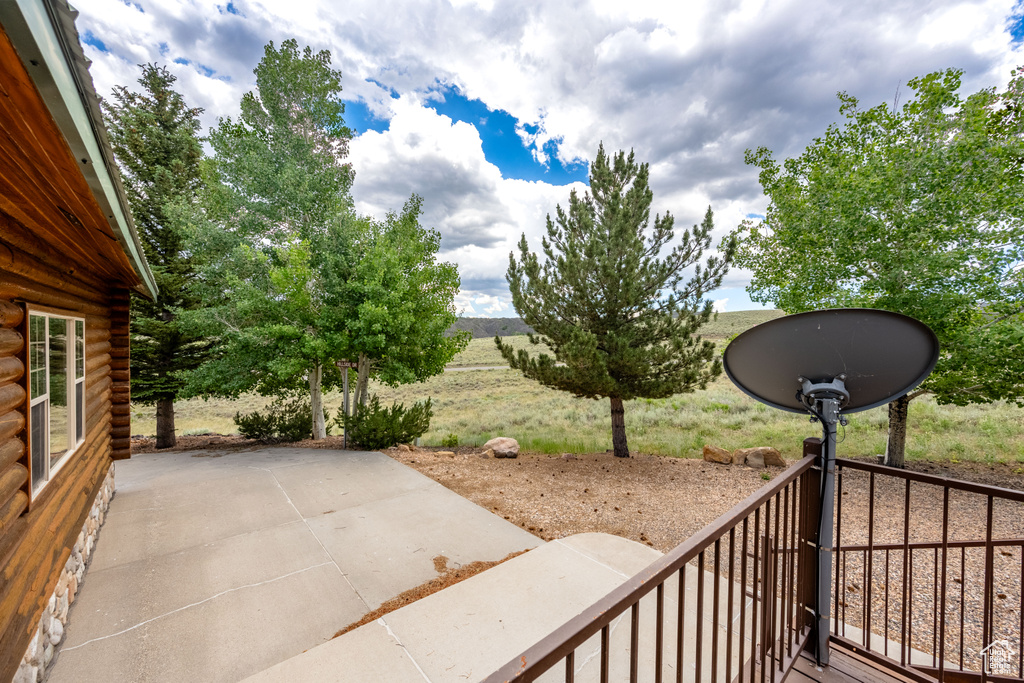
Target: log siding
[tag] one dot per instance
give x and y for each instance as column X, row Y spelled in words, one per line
column 57, row 252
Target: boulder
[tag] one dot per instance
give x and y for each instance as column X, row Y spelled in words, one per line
column 487, row 454
column 503, row 447
column 716, row 454
column 762, row 456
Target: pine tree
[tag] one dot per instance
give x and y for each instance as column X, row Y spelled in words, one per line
column 619, row 318
column 155, row 137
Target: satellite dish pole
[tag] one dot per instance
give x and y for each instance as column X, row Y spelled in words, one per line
column 825, row 400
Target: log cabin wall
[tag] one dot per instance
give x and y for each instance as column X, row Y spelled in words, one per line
column 58, row 254
column 36, row 538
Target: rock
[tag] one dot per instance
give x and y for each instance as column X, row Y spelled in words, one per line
column 503, row 447
column 487, row 454
column 762, row 456
column 403, row 448
column 444, row 454
column 56, row 631
column 568, row 456
column 26, row 674
column 716, row 454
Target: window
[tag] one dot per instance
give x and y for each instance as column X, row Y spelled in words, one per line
column 56, row 392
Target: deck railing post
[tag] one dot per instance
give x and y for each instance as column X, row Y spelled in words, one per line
column 810, row 490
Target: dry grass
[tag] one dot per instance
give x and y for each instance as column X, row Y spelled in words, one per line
column 478, row 405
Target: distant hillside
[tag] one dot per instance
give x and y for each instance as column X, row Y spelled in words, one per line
column 726, row 326
column 488, row 327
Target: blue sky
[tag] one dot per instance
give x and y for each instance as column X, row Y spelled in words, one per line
column 490, row 109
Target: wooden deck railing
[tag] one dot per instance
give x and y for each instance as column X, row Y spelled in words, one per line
column 728, row 604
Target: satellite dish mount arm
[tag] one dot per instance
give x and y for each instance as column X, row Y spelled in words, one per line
column 825, row 400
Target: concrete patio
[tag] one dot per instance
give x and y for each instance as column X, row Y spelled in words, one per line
column 216, row 566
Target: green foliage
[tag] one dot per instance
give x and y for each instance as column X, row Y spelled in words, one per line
column 372, row 426
column 277, row 187
column 286, row 420
column 300, row 282
column 620, row 319
column 450, row 441
column 915, row 210
column 155, row 137
column 393, row 297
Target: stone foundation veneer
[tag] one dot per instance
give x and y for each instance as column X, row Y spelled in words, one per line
column 50, row 632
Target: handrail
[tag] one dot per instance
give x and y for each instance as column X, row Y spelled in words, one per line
column 954, row 484
column 566, row 638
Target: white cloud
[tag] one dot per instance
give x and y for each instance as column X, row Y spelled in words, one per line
column 720, row 304
column 689, row 86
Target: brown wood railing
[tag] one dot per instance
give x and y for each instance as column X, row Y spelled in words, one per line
column 740, row 589
column 928, row 572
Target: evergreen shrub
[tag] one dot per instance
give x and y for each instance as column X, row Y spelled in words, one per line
column 372, row 426
column 286, row 420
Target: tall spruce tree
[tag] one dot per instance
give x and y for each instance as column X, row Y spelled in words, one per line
column 620, row 318
column 155, row 137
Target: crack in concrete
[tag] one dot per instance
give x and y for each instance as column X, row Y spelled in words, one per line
column 194, row 604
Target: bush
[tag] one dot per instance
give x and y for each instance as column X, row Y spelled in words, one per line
column 287, row 420
column 450, row 441
column 374, row 427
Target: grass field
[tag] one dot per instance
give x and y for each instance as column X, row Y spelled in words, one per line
column 476, row 405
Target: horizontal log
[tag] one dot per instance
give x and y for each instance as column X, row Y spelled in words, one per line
column 14, row 260
column 96, row 388
column 120, row 431
column 11, row 511
column 121, row 454
column 94, row 363
column 11, row 480
column 11, row 369
column 121, row 409
column 12, row 396
column 120, row 352
column 120, row 375
column 13, row 286
column 94, row 333
column 100, row 416
column 11, row 451
column 11, row 314
column 11, row 342
column 10, row 424
column 122, row 391
column 97, row 348
column 119, row 420
column 120, row 443
column 95, row 402
column 19, row 236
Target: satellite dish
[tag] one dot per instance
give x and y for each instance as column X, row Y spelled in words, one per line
column 876, row 356
column 828, row 363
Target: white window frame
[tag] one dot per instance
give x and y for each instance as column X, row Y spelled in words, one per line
column 76, row 437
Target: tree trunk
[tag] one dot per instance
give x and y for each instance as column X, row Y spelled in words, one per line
column 896, row 444
column 363, row 380
column 165, row 437
column 316, row 402
column 619, row 428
